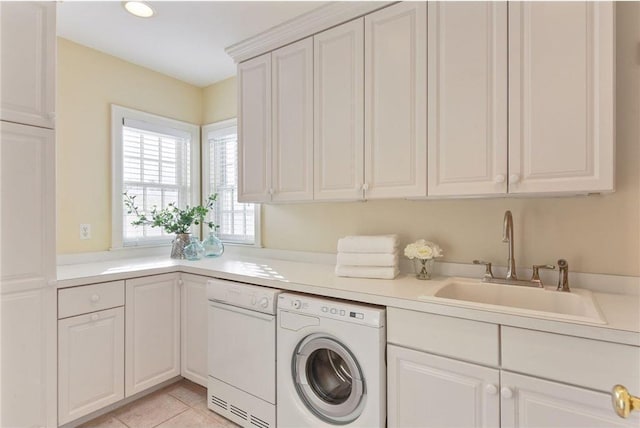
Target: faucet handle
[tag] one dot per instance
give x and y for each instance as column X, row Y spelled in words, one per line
column 563, row 277
column 487, row 273
column 535, row 277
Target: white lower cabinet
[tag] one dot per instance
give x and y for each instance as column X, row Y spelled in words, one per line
column 529, row 402
column 152, row 331
column 194, row 328
column 425, row 390
column 90, row 362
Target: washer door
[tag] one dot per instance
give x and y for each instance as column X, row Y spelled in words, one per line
column 328, row 379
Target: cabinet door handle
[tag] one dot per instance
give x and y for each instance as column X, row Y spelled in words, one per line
column 95, row 298
column 514, row 178
column 506, row 392
column 498, row 179
column 623, row 402
column 491, row 389
column 365, row 186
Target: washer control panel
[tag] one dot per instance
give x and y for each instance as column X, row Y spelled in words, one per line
column 335, row 309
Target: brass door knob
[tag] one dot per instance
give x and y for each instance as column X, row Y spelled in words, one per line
column 623, row 402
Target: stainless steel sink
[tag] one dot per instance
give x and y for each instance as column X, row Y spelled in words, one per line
column 577, row 305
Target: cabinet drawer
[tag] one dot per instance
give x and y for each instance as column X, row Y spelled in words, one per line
column 454, row 337
column 90, row 298
column 583, row 362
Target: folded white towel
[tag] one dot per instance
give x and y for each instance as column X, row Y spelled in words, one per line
column 368, row 244
column 367, row 272
column 368, row 259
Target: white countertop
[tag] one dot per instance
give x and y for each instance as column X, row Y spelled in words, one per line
column 621, row 311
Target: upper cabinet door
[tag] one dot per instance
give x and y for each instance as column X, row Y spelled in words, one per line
column 467, row 98
column 338, row 113
column 561, row 86
column 28, row 38
column 254, row 129
column 292, row 144
column 396, row 101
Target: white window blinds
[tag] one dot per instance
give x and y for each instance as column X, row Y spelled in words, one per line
column 155, row 159
column 237, row 220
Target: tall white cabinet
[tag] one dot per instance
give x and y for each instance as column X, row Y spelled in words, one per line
column 338, row 116
column 27, row 229
column 395, row 101
column 467, row 98
column 561, row 97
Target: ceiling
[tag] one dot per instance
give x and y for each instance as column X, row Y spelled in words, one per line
column 185, row 40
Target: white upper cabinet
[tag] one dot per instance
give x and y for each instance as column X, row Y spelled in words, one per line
column 292, row 110
column 338, row 112
column 28, row 37
column 561, row 88
column 395, row 101
column 467, row 98
column 254, row 129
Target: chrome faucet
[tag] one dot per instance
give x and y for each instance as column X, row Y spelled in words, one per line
column 507, row 236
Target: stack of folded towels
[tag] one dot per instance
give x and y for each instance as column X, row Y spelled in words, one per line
column 368, row 256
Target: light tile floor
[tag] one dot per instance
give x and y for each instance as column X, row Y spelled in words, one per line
column 180, row 405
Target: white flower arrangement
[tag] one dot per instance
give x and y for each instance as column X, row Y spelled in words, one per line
column 423, row 250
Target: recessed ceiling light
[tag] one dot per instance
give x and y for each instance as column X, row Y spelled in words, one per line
column 140, row 9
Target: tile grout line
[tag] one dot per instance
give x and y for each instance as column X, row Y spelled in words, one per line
column 174, row 416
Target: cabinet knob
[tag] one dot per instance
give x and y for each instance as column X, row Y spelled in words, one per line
column 365, row 186
column 491, row 389
column 514, row 178
column 95, row 317
column 499, row 179
column 506, row 392
column 271, row 191
column 623, row 402
column 95, row 298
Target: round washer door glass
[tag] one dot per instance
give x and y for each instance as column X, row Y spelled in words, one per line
column 328, row 379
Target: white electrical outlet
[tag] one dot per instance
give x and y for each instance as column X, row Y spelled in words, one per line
column 85, row 231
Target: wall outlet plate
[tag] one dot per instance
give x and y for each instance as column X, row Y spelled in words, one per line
column 85, row 231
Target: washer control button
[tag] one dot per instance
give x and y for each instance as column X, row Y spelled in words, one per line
column 325, row 309
column 334, row 311
column 264, row 303
column 342, row 312
column 296, row 304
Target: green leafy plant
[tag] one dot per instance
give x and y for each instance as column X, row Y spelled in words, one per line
column 172, row 219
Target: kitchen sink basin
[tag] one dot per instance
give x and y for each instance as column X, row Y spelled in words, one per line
column 577, row 305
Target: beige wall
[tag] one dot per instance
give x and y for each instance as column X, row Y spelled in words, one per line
column 219, row 101
column 595, row 233
column 88, row 82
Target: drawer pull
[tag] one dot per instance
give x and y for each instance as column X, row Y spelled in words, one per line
column 95, row 317
column 491, row 389
column 95, row 298
column 506, row 392
column 623, row 402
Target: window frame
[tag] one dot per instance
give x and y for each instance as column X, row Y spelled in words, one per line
column 118, row 114
column 206, row 179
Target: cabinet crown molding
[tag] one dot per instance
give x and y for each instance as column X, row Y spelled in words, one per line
column 326, row 16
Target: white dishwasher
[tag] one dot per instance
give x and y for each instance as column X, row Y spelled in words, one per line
column 242, row 352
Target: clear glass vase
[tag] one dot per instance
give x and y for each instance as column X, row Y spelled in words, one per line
column 195, row 250
column 179, row 245
column 423, row 268
column 213, row 246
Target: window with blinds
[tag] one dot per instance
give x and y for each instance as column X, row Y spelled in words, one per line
column 237, row 221
column 154, row 161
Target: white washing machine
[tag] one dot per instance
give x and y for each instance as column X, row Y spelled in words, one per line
column 331, row 363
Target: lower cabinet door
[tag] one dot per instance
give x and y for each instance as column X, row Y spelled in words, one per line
column 529, row 402
column 194, row 328
column 425, row 390
column 152, row 331
column 90, row 362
